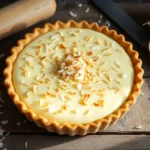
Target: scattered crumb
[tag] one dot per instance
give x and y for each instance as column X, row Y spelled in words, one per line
column 99, row 21
column 18, row 123
column 4, row 122
column 5, row 149
column 1, row 113
column 107, row 23
column 72, row 14
column 147, row 23
column 26, row 144
column 1, row 144
column 101, row 16
column 0, row 105
column 142, row 93
column 2, row 55
column 24, row 120
column 1, row 132
column 87, row 10
column 80, row 5
column 137, row 127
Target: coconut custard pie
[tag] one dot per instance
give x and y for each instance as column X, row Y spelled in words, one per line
column 73, row 78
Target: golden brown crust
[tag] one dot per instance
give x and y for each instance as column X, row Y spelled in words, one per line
column 80, row 129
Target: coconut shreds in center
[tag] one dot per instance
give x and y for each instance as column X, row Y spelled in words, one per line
column 76, row 67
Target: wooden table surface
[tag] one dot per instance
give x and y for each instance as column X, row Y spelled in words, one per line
column 131, row 132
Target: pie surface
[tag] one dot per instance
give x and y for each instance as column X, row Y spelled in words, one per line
column 73, row 75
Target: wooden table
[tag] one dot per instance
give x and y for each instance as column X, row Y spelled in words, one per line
column 131, row 132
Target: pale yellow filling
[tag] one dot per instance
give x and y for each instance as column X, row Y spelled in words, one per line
column 53, row 87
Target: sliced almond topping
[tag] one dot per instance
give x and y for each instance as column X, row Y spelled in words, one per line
column 28, row 63
column 57, row 90
column 99, row 103
column 48, row 80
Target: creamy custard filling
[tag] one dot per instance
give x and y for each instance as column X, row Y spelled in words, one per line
column 73, row 75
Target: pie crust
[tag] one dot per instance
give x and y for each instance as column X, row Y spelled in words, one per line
column 66, row 128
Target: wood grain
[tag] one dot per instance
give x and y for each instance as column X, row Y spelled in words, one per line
column 89, row 142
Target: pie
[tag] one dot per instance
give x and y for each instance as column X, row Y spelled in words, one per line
column 73, row 78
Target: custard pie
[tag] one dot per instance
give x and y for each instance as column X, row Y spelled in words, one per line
column 73, row 78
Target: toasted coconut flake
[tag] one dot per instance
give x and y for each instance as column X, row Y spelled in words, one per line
column 102, row 90
column 36, row 47
column 66, row 39
column 114, row 69
column 109, row 54
column 117, row 90
column 79, row 31
column 99, row 103
column 25, row 84
column 31, row 54
column 95, row 58
column 38, row 52
column 103, row 63
column 88, row 38
column 123, row 75
column 43, row 57
column 108, row 77
column 66, row 97
column 26, row 73
column 62, row 97
column 51, row 94
column 58, row 111
column 98, row 42
column 65, row 107
column 57, row 90
column 89, row 53
column 117, row 81
column 84, row 99
column 106, row 43
column 95, row 47
column 55, row 55
column 28, row 63
column 79, row 86
column 117, row 63
column 62, row 46
column 106, row 82
column 28, row 93
column 34, row 89
column 75, row 111
column 72, row 93
column 87, row 112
